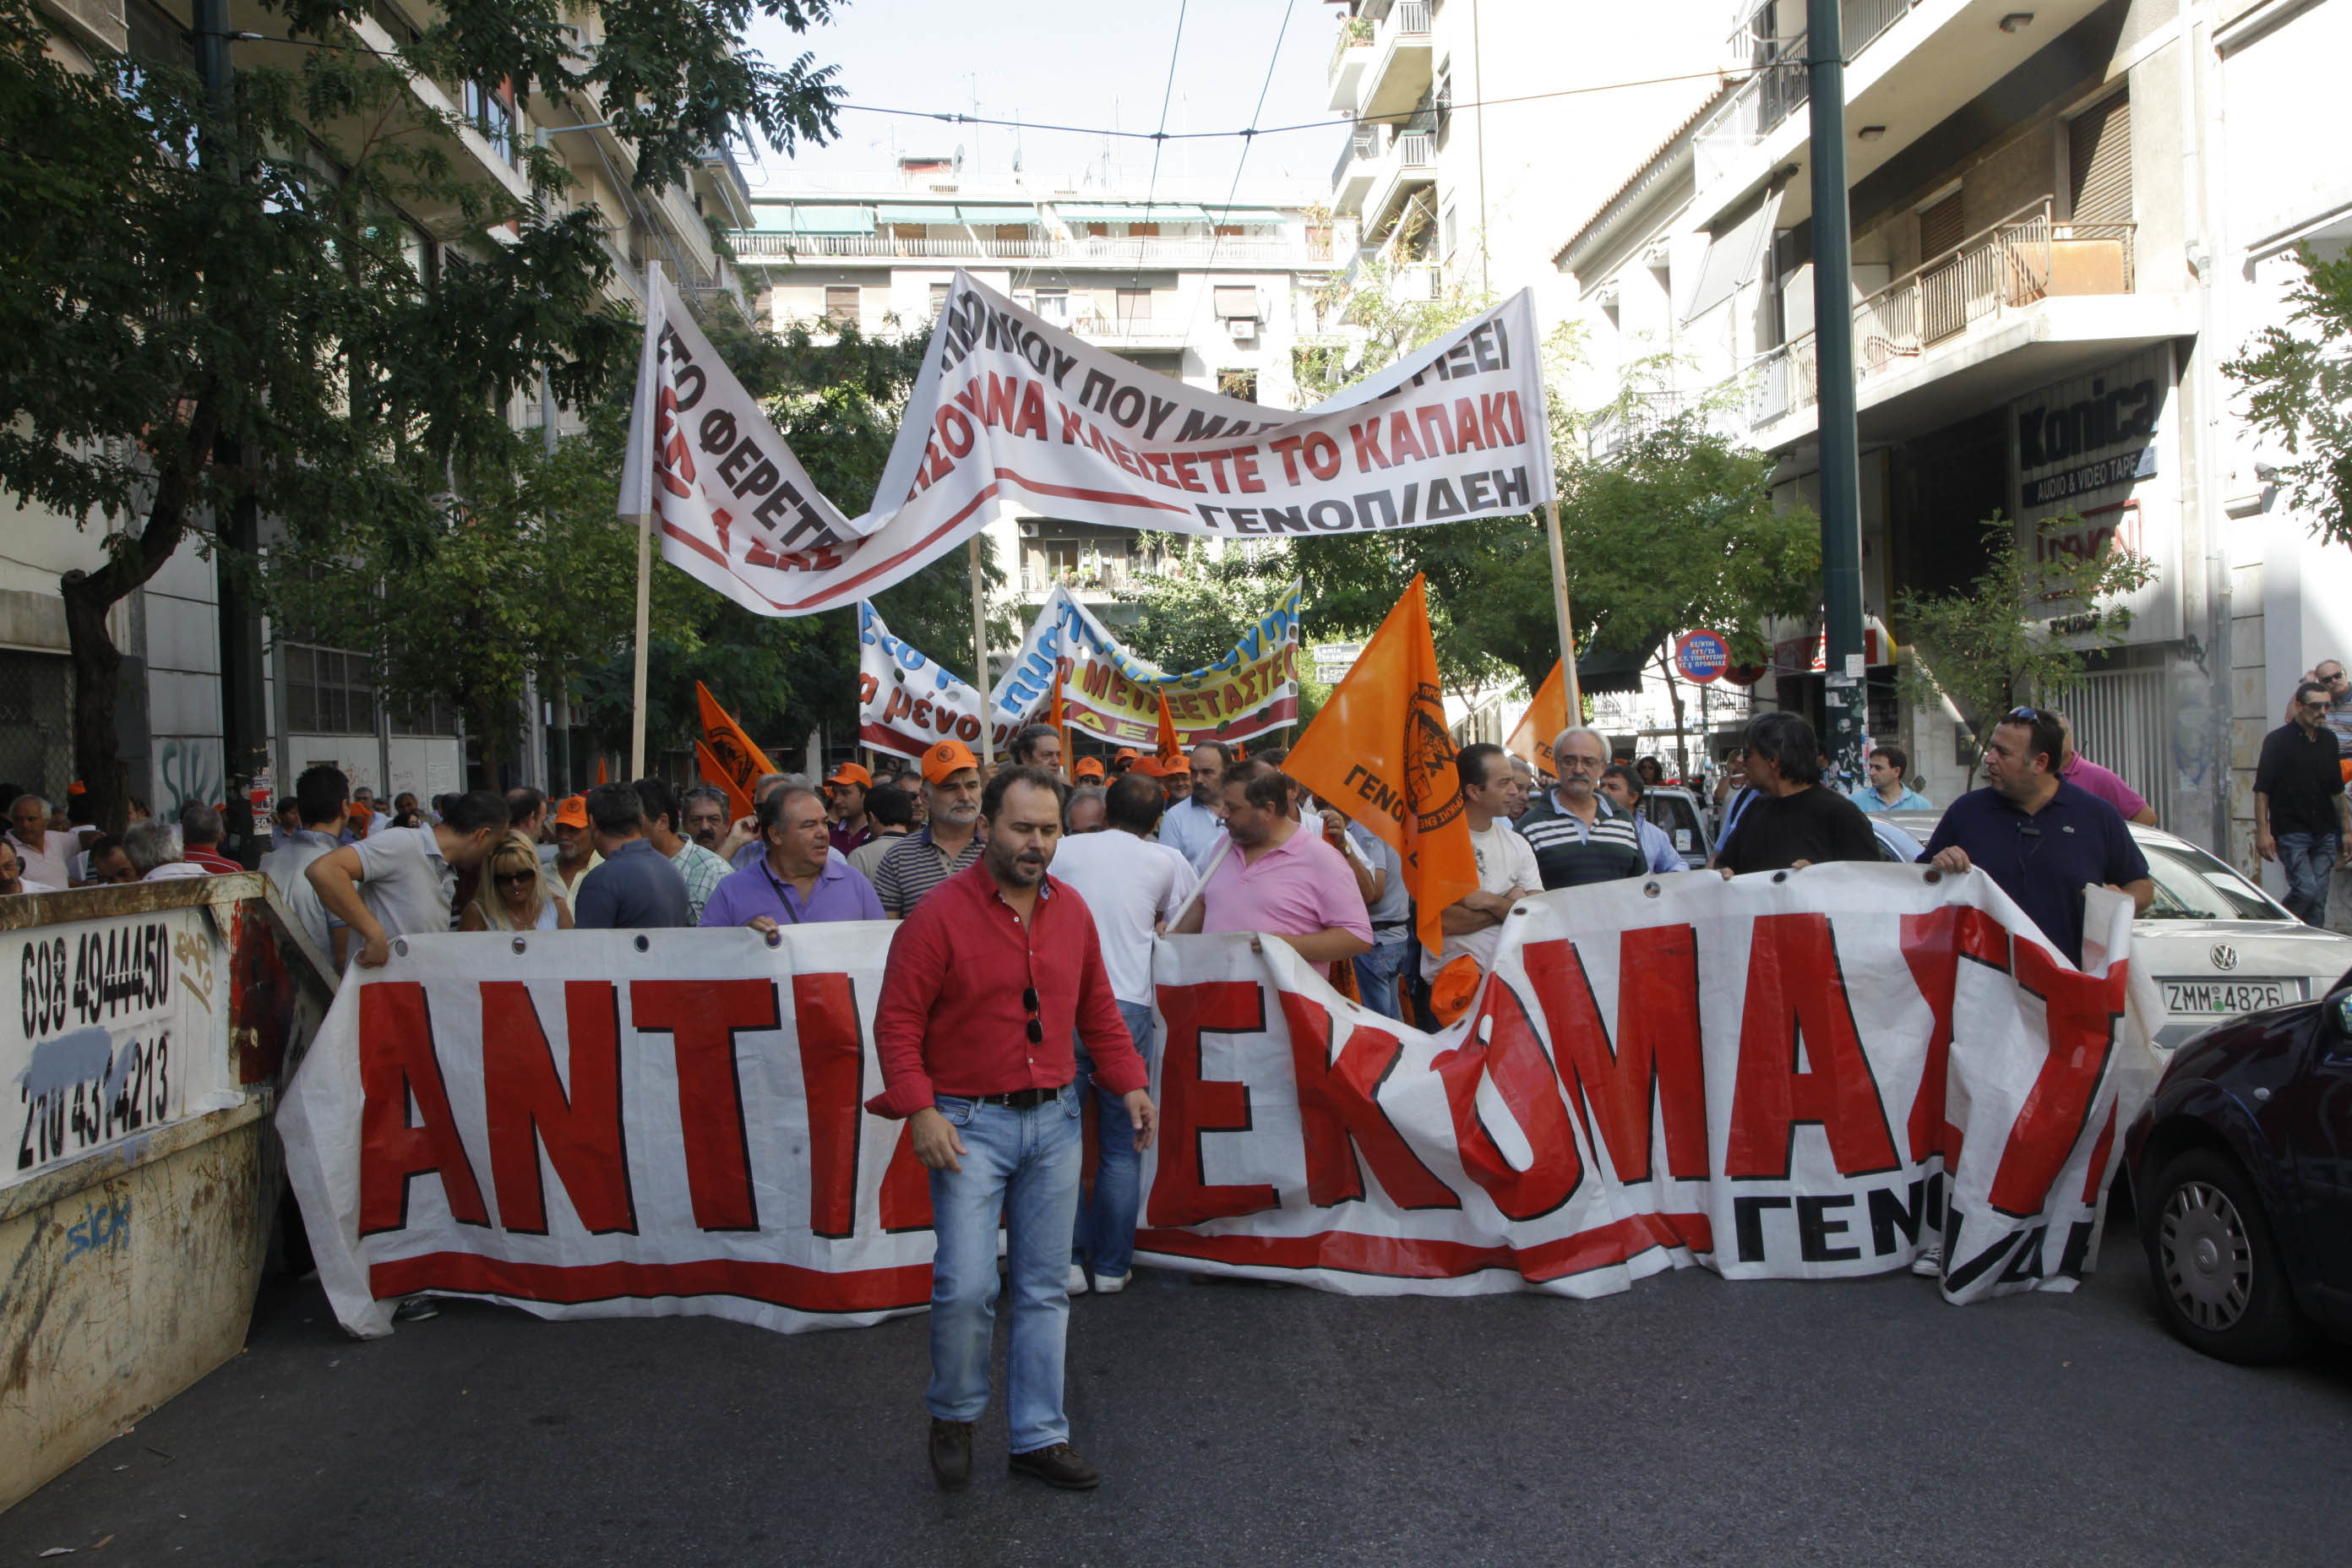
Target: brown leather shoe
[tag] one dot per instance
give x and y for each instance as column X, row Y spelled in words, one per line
column 951, row 1453
column 1058, row 1466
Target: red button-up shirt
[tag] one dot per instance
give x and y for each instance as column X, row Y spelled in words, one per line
column 950, row 1019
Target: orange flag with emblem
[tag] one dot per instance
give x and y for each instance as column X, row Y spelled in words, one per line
column 728, row 758
column 1380, row 753
column 1170, row 746
column 1546, row 717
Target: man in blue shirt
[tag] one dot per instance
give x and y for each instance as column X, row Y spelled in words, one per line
column 1192, row 827
column 1624, row 785
column 798, row 881
column 2040, row 837
column 635, row 888
column 1886, row 791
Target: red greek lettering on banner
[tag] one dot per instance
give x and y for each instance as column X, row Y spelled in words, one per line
column 528, row 1109
column 1796, row 992
column 1933, row 946
column 1656, row 1071
column 1340, row 1115
column 398, row 1061
column 2082, row 1012
column 1502, row 1047
column 1192, row 1107
column 833, row 1083
column 702, row 1018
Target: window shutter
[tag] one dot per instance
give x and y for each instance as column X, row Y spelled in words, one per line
column 2099, row 162
column 1941, row 228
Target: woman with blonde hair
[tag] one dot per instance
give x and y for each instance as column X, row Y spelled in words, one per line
column 514, row 895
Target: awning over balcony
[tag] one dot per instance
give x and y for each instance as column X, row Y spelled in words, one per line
column 815, row 220
column 967, row 212
column 931, row 212
column 1733, row 255
column 1159, row 212
column 1245, row 217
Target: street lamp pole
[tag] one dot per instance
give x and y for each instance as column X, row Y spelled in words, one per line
column 1841, row 476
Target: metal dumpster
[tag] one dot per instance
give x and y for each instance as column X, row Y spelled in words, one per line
column 144, row 1033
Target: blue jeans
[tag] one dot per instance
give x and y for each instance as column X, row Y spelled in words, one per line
column 1106, row 1228
column 2307, row 858
column 1023, row 1165
column 1376, row 975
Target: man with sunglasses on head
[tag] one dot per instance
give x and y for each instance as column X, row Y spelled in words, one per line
column 2302, row 818
column 988, row 980
column 2042, row 839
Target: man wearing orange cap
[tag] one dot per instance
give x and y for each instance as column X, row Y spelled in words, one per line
column 944, row 845
column 1122, row 761
column 1089, row 771
column 575, row 852
column 845, row 793
column 1176, row 779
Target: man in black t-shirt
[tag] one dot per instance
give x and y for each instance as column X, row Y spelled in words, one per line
column 2300, row 816
column 1797, row 822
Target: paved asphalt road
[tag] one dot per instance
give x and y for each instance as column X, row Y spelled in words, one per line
column 1688, row 1420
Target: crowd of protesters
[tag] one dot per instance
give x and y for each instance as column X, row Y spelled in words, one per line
column 1030, row 896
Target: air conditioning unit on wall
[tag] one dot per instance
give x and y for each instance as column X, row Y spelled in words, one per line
column 1241, row 328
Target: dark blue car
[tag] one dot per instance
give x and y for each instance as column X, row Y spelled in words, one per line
column 2241, row 1169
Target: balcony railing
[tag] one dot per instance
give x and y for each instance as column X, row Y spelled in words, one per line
column 1782, row 82
column 1363, row 143
column 755, row 247
column 1355, row 33
column 1111, row 574
column 2024, row 258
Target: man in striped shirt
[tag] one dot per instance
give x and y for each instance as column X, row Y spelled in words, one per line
column 945, row 845
column 1579, row 835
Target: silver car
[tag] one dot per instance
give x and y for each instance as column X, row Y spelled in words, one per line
column 2217, row 945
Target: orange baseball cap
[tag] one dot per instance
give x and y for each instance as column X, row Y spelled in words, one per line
column 947, row 758
column 1088, row 768
column 1148, row 766
column 1124, row 754
column 851, row 773
column 571, row 812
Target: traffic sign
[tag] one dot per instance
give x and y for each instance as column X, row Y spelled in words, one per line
column 1702, row 655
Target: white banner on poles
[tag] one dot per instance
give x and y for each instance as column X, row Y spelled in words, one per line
column 1800, row 1075
column 1012, row 410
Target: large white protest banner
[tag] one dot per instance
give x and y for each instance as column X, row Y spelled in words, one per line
column 908, row 701
column 1801, row 1075
column 1013, row 410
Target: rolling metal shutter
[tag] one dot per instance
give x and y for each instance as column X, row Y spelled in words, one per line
column 2098, row 145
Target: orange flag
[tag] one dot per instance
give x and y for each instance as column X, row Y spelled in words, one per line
column 728, row 758
column 1378, row 752
column 1170, row 746
column 1546, row 717
column 602, row 776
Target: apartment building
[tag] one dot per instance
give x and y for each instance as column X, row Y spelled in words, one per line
column 2038, row 282
column 322, row 703
column 1218, row 288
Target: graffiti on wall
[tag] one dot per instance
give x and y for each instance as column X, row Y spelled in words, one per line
column 188, row 768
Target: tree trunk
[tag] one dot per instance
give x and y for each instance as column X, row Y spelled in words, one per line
column 1675, row 695
column 89, row 595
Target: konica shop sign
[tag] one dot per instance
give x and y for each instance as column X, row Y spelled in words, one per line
column 2093, row 463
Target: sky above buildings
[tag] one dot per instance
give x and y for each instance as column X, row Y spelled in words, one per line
column 1092, row 63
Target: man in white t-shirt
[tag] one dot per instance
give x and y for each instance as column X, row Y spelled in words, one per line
column 1133, row 888
column 1506, row 862
column 399, row 882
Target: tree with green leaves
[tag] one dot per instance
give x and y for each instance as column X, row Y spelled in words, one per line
column 2299, row 381
column 213, row 302
column 2020, row 632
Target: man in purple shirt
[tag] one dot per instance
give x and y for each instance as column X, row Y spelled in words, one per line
column 2105, row 782
column 1277, row 878
column 797, row 881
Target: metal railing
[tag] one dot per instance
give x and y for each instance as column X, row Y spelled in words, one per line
column 1363, row 143
column 1782, row 82
column 757, row 246
column 2022, row 260
column 1411, row 17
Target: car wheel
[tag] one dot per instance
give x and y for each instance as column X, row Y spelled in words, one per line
column 2215, row 1264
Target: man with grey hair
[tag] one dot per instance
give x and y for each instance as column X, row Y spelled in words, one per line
column 154, row 849
column 1579, row 835
column 201, row 831
column 744, row 847
column 41, row 850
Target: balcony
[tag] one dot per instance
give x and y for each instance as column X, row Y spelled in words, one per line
column 762, row 249
column 1352, row 177
column 1097, row 577
column 1408, row 163
column 1399, row 74
column 1350, row 58
column 2023, row 302
column 1112, row 330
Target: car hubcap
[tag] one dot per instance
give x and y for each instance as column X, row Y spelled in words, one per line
column 2209, row 1264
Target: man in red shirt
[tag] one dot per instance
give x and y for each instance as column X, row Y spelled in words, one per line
column 201, row 832
column 987, row 979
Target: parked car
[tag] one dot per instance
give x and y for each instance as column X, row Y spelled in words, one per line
column 2241, row 1165
column 2216, row 944
column 1677, row 812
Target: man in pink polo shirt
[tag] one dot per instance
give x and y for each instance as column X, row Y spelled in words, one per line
column 1277, row 878
column 2106, row 783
